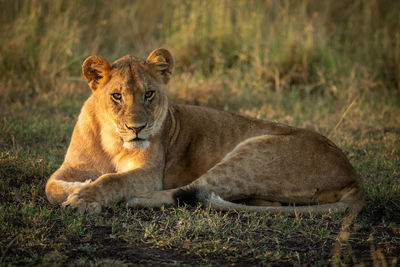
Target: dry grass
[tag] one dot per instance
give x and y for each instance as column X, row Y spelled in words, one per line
column 333, row 66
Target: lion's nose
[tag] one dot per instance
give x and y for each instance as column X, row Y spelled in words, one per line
column 136, row 130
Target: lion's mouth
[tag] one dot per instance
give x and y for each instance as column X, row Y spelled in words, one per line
column 136, row 139
column 136, row 143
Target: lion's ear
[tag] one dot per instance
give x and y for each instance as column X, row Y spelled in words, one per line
column 96, row 70
column 163, row 63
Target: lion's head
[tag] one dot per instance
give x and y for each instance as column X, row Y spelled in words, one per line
column 132, row 94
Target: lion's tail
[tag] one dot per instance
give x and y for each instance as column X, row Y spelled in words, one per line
column 194, row 195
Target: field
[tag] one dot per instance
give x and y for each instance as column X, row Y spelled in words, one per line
column 331, row 66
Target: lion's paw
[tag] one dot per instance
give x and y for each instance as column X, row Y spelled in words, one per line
column 82, row 204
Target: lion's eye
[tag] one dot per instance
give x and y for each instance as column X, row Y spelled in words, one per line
column 148, row 95
column 117, row 96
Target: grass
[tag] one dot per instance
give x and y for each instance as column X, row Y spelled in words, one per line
column 332, row 66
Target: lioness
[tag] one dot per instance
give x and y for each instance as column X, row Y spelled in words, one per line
column 130, row 143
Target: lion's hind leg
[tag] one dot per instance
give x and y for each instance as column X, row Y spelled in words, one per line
column 196, row 195
column 193, row 196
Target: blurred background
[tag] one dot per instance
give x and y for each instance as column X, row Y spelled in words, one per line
column 311, row 63
column 228, row 53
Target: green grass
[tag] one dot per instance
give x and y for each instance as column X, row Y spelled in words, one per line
column 332, row 66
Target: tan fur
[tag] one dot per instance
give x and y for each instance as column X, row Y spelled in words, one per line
column 181, row 146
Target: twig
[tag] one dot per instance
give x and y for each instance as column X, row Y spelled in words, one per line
column 343, row 116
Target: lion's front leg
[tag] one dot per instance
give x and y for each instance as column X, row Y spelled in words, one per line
column 66, row 181
column 153, row 199
column 113, row 187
